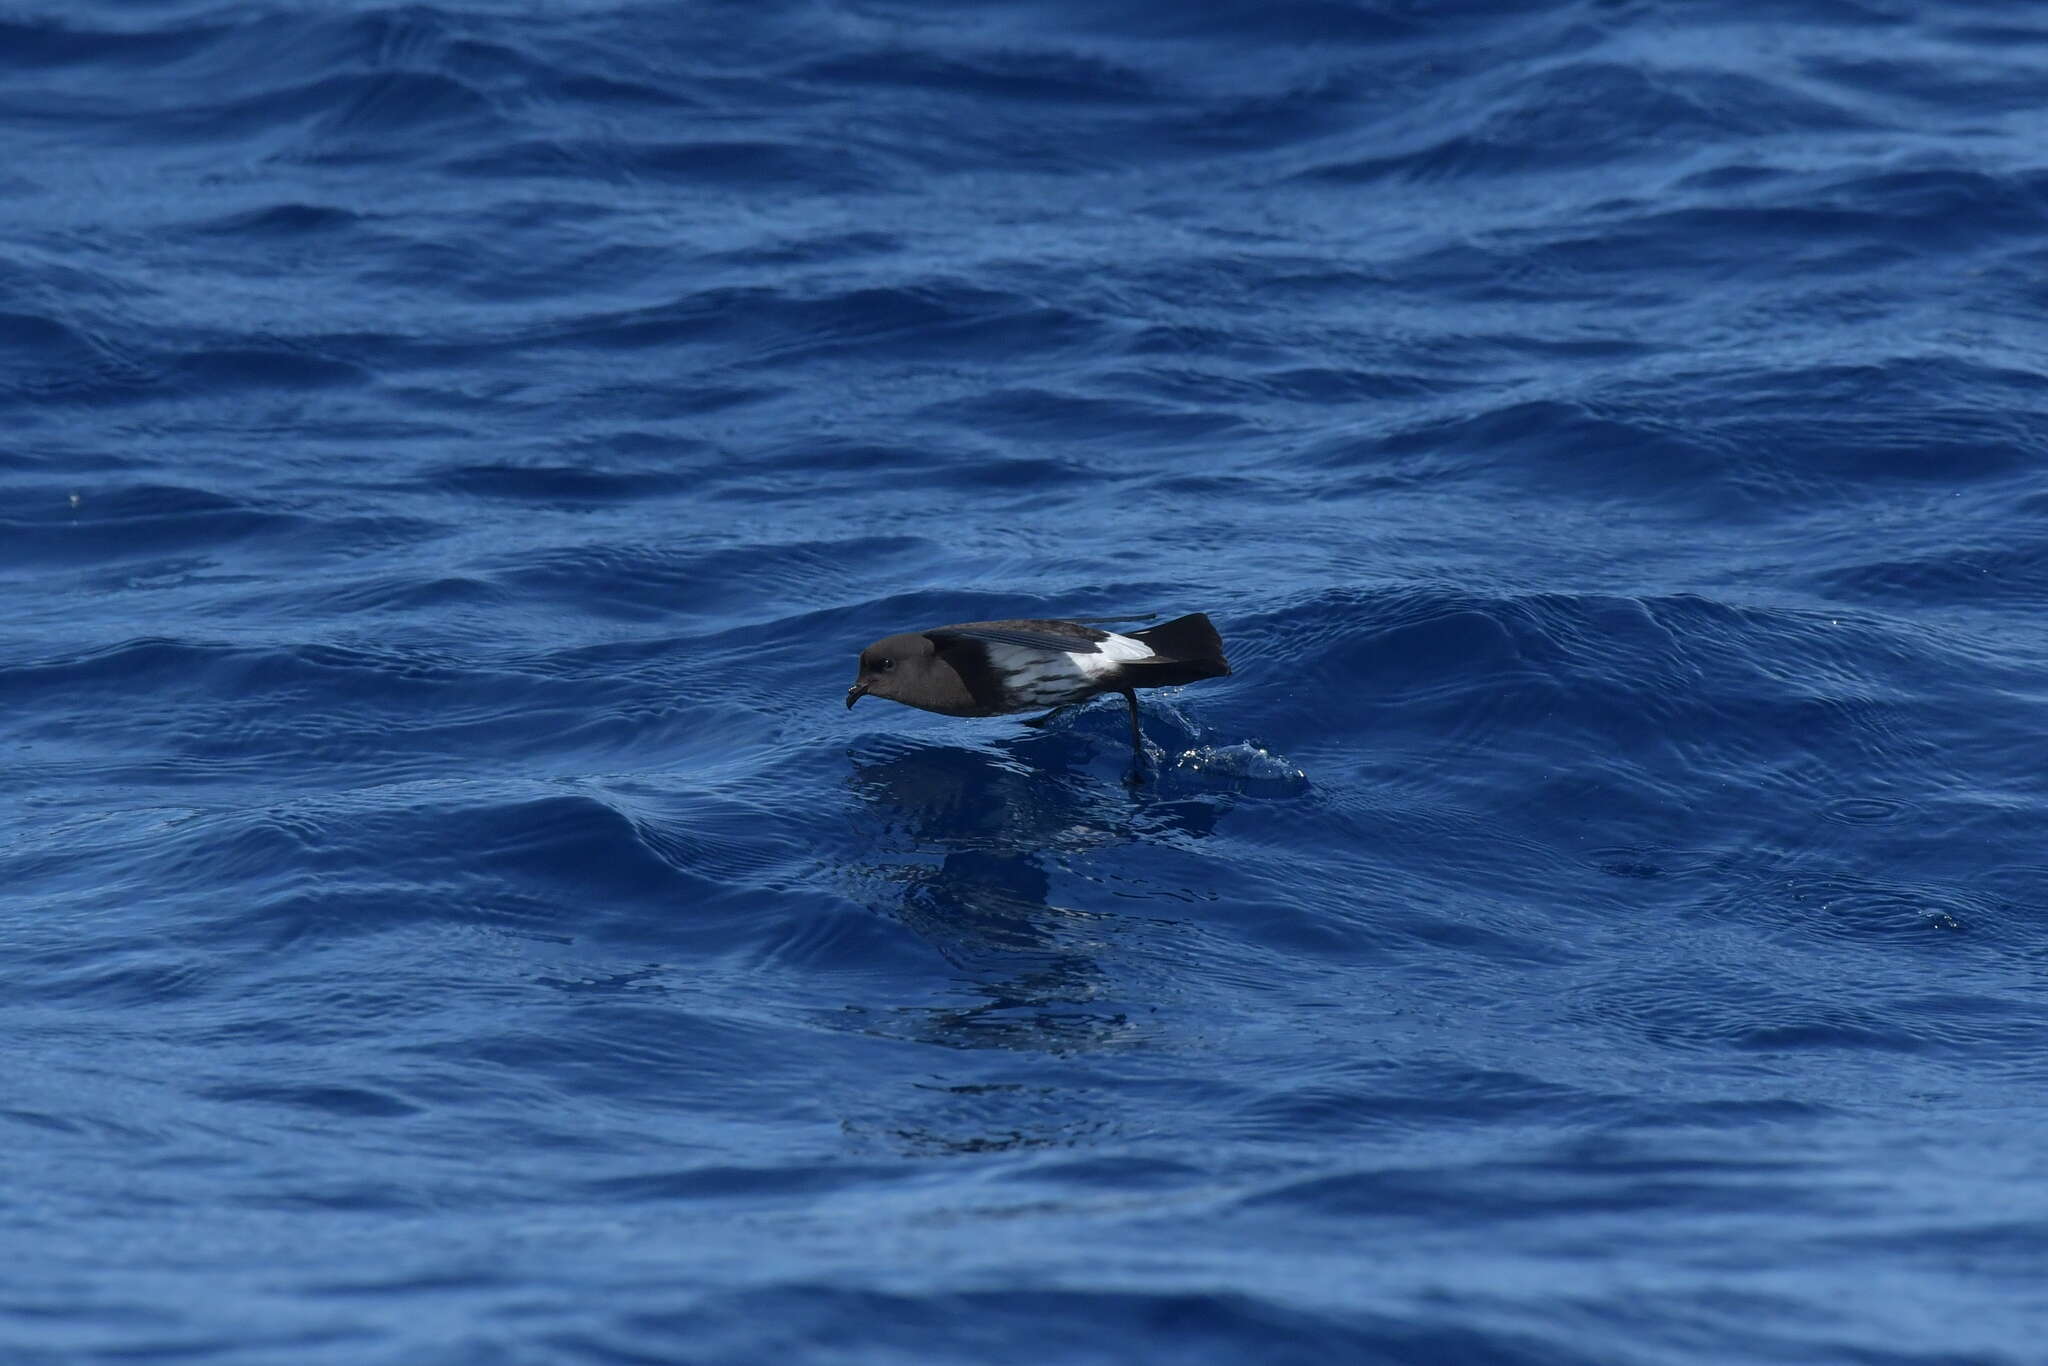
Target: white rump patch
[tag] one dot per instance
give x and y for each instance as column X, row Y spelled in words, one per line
column 1115, row 650
column 1053, row 678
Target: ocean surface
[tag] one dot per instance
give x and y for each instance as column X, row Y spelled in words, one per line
column 451, row 454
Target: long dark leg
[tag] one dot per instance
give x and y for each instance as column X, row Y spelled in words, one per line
column 1137, row 738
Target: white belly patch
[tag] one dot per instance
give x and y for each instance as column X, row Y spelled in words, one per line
column 1037, row 678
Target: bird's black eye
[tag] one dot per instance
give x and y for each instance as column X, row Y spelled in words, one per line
column 888, row 664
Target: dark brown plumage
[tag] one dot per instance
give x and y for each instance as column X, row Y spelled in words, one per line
column 996, row 668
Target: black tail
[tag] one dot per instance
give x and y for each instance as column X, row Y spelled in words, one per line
column 1188, row 648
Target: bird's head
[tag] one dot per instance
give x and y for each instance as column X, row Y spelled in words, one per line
column 893, row 667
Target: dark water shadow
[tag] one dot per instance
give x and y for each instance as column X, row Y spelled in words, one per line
column 965, row 846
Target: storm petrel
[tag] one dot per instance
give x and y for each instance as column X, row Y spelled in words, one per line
column 995, row 668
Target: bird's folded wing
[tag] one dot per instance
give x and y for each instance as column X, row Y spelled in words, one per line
column 1011, row 635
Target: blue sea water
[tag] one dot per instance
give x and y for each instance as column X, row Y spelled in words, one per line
column 450, row 455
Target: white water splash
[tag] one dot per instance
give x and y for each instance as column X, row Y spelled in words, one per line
column 1243, row 763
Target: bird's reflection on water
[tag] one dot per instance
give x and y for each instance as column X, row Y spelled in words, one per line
column 969, row 841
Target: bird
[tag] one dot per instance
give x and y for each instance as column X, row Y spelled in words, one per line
column 998, row 668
